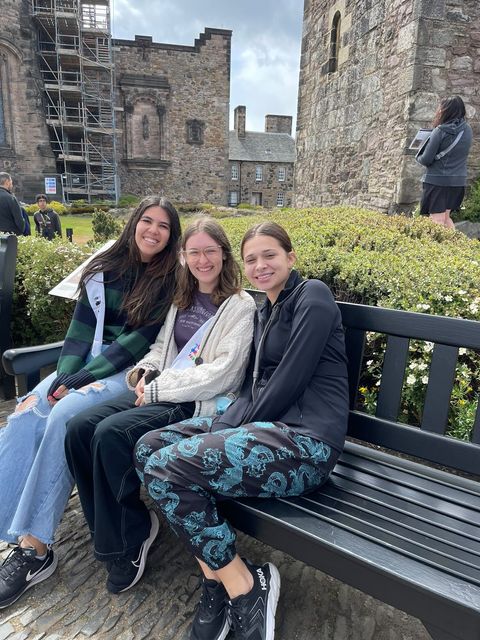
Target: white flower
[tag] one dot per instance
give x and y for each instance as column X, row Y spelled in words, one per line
column 377, row 383
column 369, row 362
column 411, row 379
column 422, row 366
column 448, row 298
column 473, row 307
column 461, row 292
column 462, row 351
column 412, row 365
column 425, row 379
column 428, row 346
column 423, row 305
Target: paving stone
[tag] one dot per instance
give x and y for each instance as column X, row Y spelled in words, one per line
column 97, row 619
column 21, row 635
column 6, row 629
column 111, row 622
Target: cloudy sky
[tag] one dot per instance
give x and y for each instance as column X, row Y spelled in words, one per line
column 265, row 44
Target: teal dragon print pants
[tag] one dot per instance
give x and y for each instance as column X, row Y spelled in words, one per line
column 186, row 469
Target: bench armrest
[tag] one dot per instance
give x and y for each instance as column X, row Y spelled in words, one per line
column 27, row 360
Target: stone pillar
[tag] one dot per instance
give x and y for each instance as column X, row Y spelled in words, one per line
column 278, row 124
column 239, row 118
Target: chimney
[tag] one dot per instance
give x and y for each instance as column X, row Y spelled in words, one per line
column 278, row 124
column 239, row 117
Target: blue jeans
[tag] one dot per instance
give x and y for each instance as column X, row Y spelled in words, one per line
column 35, row 482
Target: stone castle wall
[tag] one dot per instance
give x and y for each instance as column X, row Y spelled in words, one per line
column 25, row 150
column 395, row 59
column 173, row 116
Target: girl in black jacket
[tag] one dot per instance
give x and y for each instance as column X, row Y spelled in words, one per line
column 281, row 437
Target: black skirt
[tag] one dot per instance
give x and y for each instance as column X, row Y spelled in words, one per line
column 437, row 199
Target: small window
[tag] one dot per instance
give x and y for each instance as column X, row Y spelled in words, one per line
column 195, row 130
column 280, row 199
column 259, row 173
column 234, row 171
column 232, row 198
column 334, row 42
column 282, row 173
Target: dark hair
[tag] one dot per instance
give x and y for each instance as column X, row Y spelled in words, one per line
column 146, row 292
column 271, row 229
column 449, row 109
column 41, row 196
column 230, row 276
column 4, row 176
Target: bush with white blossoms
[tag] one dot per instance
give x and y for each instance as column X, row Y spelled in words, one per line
column 395, row 262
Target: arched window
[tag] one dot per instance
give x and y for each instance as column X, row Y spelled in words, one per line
column 334, row 42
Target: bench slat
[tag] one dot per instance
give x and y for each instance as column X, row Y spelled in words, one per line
column 413, row 441
column 393, row 372
column 476, row 426
column 439, row 389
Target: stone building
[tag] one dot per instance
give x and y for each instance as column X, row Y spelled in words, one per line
column 261, row 163
column 173, row 104
column 25, row 150
column 164, row 128
column 372, row 74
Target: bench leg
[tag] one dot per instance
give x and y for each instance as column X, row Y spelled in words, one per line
column 438, row 634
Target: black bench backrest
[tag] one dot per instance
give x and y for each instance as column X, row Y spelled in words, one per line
column 400, row 327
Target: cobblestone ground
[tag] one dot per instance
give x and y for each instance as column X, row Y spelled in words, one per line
column 74, row 602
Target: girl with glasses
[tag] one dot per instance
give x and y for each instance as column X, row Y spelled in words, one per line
column 199, row 357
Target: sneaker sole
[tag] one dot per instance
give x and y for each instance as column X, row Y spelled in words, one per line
column 144, row 552
column 272, row 601
column 36, row 580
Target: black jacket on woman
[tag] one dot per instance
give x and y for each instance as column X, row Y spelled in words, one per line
column 298, row 368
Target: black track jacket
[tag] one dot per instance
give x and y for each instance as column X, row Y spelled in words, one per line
column 298, row 368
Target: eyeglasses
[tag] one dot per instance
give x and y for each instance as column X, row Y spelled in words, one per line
column 208, row 252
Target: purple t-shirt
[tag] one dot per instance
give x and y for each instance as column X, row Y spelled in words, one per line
column 188, row 321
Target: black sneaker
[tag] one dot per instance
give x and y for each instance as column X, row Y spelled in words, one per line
column 253, row 615
column 20, row 570
column 211, row 621
column 126, row 571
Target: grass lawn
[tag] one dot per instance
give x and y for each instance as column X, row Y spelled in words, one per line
column 81, row 225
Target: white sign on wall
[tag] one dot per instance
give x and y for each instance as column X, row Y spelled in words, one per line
column 50, row 185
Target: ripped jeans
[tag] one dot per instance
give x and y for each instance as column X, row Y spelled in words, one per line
column 35, row 482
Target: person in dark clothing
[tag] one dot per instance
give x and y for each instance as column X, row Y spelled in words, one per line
column 27, row 231
column 281, row 437
column 11, row 220
column 47, row 221
column 445, row 157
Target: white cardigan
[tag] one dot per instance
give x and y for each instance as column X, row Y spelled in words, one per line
column 224, row 351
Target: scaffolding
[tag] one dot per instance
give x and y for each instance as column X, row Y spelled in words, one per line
column 74, row 47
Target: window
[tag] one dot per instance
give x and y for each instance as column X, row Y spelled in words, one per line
column 280, row 199
column 232, row 198
column 334, row 42
column 282, row 172
column 234, row 171
column 195, row 130
column 259, row 173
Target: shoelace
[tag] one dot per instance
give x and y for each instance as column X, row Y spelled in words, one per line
column 15, row 560
column 206, row 599
column 236, row 617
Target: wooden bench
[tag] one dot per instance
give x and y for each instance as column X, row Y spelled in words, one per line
column 402, row 531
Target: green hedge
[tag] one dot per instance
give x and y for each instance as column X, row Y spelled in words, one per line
column 363, row 256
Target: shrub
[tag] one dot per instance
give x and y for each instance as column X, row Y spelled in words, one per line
column 396, row 262
column 38, row 317
column 471, row 206
column 128, row 200
column 105, row 226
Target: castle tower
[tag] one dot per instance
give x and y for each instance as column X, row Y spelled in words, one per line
column 372, row 74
